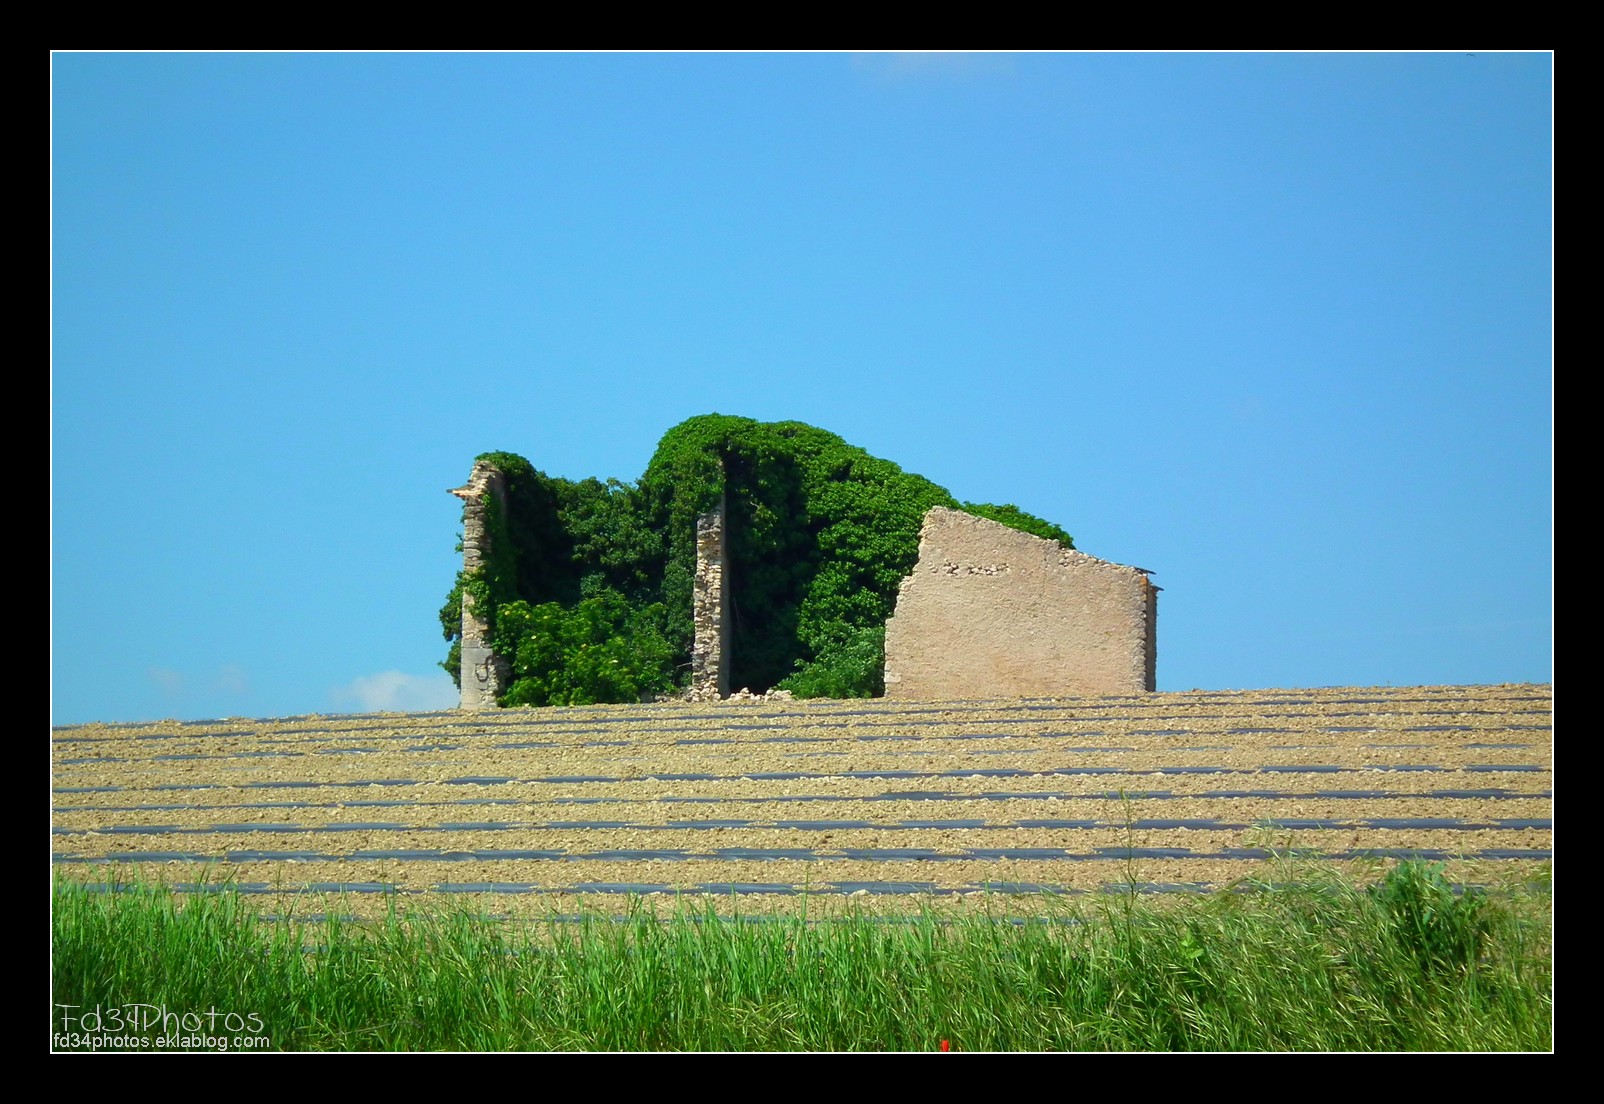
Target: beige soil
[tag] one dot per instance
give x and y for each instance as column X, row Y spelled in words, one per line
column 218, row 775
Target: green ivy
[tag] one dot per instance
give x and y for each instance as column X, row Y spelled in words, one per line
column 589, row 583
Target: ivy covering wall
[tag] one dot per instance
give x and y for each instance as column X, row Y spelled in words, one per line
column 588, row 585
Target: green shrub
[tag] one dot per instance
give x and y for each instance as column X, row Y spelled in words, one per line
column 601, row 650
column 856, row 669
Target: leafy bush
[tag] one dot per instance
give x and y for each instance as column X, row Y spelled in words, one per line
column 598, row 651
column 856, row 669
column 819, row 534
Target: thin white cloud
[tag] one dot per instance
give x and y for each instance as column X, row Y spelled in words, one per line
column 169, row 681
column 396, row 692
column 231, row 679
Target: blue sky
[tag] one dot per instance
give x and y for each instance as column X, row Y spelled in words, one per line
column 1276, row 326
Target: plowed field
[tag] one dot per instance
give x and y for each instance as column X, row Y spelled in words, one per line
column 888, row 805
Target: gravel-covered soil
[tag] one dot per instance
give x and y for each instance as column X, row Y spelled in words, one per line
column 891, row 805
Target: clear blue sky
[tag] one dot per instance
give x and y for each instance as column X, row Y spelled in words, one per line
column 1276, row 326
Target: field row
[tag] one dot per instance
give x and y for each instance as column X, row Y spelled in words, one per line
column 898, row 801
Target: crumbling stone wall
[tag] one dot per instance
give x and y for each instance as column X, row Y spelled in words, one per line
column 710, row 648
column 484, row 674
column 990, row 612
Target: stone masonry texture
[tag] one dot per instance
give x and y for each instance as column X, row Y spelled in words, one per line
column 990, row 612
column 710, row 649
column 484, row 674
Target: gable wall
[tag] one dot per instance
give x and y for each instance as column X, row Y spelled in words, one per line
column 991, row 612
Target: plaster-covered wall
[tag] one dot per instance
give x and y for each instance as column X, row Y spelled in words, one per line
column 990, row 612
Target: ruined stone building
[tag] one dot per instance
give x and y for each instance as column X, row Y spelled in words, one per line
column 988, row 612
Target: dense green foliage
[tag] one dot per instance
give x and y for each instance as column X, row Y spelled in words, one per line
column 1312, row 966
column 819, row 534
column 600, row 650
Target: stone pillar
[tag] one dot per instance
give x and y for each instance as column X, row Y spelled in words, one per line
column 710, row 649
column 484, row 674
column 1150, row 675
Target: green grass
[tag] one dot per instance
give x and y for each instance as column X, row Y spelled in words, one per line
column 1326, row 964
